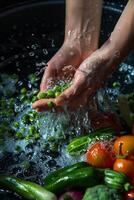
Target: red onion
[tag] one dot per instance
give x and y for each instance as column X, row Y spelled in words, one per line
column 73, row 195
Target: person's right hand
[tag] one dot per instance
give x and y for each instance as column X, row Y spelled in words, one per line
column 64, row 62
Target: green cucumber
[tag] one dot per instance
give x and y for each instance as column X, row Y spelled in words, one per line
column 80, row 144
column 63, row 171
column 79, row 178
column 26, row 189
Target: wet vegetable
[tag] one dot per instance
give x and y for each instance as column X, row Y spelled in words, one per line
column 80, row 144
column 26, row 189
column 64, row 171
column 117, row 180
column 125, row 166
column 79, row 178
column 124, row 146
column 102, row 192
column 100, row 155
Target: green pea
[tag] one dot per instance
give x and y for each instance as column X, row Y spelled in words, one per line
column 26, row 119
column 32, row 130
column 42, row 95
column 33, row 78
column 57, row 88
column 53, row 147
column 50, row 94
column 37, row 136
column 16, row 124
column 23, row 91
column 22, row 130
column 34, row 98
column 23, row 98
column 57, row 94
column 116, row 84
column 28, row 137
column 50, row 104
column 19, row 135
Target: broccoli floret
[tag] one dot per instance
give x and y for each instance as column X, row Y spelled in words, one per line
column 102, row 192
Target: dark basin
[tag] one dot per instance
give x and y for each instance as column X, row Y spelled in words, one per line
column 28, row 29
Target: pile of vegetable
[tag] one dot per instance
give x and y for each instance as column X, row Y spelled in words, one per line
column 107, row 171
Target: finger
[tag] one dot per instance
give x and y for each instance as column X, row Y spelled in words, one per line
column 47, row 76
column 43, row 104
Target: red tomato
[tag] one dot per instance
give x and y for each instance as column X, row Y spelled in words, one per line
column 99, row 120
column 125, row 166
column 100, row 155
column 129, row 195
column 126, row 145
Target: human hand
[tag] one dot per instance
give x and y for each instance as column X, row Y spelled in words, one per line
column 64, row 63
column 90, row 75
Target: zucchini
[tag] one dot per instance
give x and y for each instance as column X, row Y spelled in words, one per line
column 63, row 171
column 26, row 189
column 80, row 144
column 79, row 178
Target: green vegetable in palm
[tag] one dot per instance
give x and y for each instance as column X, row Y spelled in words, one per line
column 54, row 92
column 26, row 189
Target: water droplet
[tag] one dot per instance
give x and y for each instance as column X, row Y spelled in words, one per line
column 45, row 51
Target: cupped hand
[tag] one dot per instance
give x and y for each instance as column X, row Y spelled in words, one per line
column 89, row 76
column 64, row 62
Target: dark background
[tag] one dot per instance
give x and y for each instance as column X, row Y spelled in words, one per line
column 6, row 3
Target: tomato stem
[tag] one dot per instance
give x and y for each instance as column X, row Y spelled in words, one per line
column 119, row 154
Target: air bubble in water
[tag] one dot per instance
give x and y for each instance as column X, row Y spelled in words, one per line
column 31, row 53
column 20, row 83
column 45, row 51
